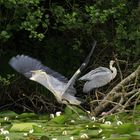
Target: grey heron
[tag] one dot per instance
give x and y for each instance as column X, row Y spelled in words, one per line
column 62, row 88
column 98, row 77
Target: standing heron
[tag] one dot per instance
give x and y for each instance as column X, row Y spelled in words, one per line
column 62, row 89
column 98, row 77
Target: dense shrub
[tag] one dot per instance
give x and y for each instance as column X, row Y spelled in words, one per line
column 58, row 32
column 112, row 23
column 17, row 15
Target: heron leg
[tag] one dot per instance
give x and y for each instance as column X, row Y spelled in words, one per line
column 96, row 94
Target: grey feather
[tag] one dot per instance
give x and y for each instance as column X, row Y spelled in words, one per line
column 25, row 64
column 96, row 82
column 98, row 77
column 71, row 82
column 52, row 80
column 63, row 89
column 93, row 73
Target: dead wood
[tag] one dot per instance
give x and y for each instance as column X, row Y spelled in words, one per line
column 117, row 92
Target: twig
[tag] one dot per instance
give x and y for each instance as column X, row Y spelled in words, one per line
column 128, row 94
column 116, row 107
column 109, row 102
column 126, row 104
column 119, row 69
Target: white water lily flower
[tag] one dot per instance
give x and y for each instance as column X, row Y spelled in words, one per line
column 72, row 138
column 119, row 123
column 81, row 116
column 51, row 116
column 4, row 132
column 7, row 138
column 6, row 118
column 93, row 125
column 25, row 134
column 87, row 126
column 54, row 138
column 100, row 130
column 72, row 121
column 103, row 137
column 31, row 131
column 58, row 113
column 93, row 118
column 108, row 122
column 64, row 132
column 1, row 129
column 88, row 112
column 102, row 119
column 39, row 125
column 85, row 136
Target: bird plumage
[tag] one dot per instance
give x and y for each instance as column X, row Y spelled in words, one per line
column 58, row 84
column 25, row 64
column 36, row 71
column 98, row 77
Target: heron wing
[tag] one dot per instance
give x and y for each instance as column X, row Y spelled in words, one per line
column 69, row 95
column 93, row 73
column 56, row 87
column 25, row 64
column 51, row 83
column 97, row 81
column 69, row 89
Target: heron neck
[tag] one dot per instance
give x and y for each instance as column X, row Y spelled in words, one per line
column 114, row 71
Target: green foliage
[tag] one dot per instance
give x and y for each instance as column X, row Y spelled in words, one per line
column 57, row 33
column 6, row 81
column 66, row 20
column 16, row 15
column 115, row 23
column 29, row 126
column 22, row 126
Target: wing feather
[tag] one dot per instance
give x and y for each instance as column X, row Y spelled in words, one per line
column 47, row 77
column 97, row 82
column 94, row 73
column 25, row 64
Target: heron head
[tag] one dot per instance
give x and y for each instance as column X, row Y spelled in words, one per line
column 112, row 62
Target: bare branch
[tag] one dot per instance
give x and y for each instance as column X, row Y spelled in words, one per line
column 110, row 96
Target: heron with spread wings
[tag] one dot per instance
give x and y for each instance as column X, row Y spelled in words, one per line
column 62, row 88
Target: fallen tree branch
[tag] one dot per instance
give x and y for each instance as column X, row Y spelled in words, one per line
column 128, row 94
column 110, row 96
column 129, row 100
column 116, row 107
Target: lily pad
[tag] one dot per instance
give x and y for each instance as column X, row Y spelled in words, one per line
column 126, row 128
column 22, row 126
column 60, row 119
